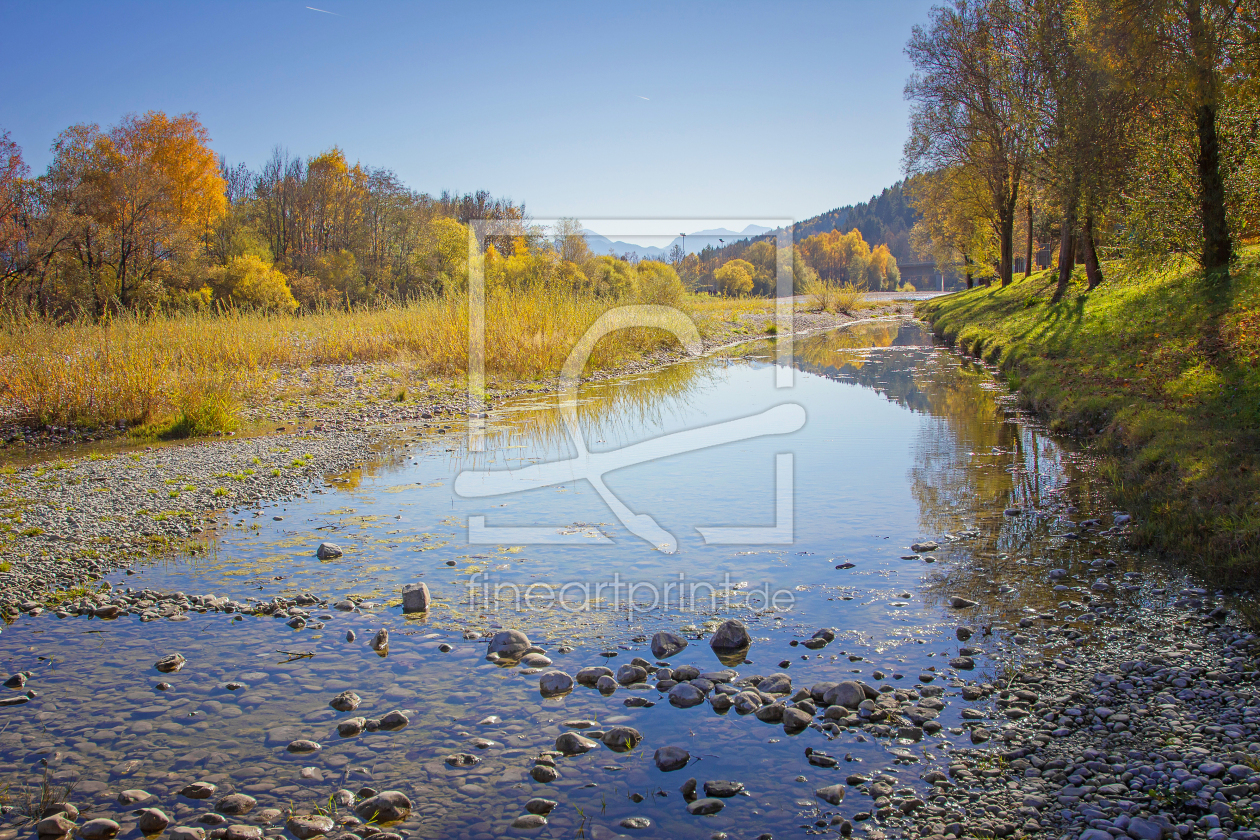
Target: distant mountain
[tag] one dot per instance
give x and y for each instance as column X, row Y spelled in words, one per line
column 696, row 242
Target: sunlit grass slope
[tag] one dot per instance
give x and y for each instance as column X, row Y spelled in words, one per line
column 1161, row 367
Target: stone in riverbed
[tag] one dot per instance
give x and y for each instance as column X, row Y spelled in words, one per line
column 666, row 644
column 606, row 685
column 831, row 794
column 528, row 821
column 571, row 743
column 671, row 758
column 921, row 547
column 346, row 701
column 704, row 807
column 589, row 676
column 961, row 603
column 416, row 597
column 133, row 796
column 509, row 643
column 243, row 832
column 99, row 829
column 235, row 804
column 848, row 694
column 538, row 805
column 304, row 828
column 381, row 640
column 328, row 551
column 186, row 832
column 54, row 826
column 393, row 721
column 152, row 821
column 722, row 789
column 631, row 674
column 555, row 684
column 351, row 727
column 303, row 745
column 731, row 636
column 543, row 774
column 685, row 695
column 622, row 738
column 170, row 663
column 198, row 790
column 385, row 807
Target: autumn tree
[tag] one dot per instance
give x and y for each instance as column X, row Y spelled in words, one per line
column 735, row 278
column 970, row 92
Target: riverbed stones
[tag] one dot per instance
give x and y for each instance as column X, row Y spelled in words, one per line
column 555, row 684
column 666, row 644
column 831, row 794
column 302, row 746
column 462, row 760
column 350, row 727
column 705, row 807
column 99, row 829
column 539, row 805
column 622, row 738
column 186, row 832
column 630, row 674
column 385, row 807
column 590, row 675
column 511, row 644
column 55, row 826
column 669, row 759
column 925, row 546
column 304, row 828
column 346, row 701
column 242, row 832
column 543, row 773
column 685, row 695
column 133, row 796
column 730, row 637
column 381, row 640
column 393, row 721
column 152, row 821
column 198, row 790
column 328, row 551
column 171, row 663
column 960, row 603
column 720, row 789
column 849, row 694
column 416, row 598
column 235, row 804
column 571, row 743
column 606, row 684
column 529, row 821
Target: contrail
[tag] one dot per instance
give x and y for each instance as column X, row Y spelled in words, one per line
column 641, row 97
column 325, row 11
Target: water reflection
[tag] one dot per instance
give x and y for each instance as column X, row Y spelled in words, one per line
column 905, row 443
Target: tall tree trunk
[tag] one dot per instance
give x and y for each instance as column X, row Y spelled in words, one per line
column 1092, row 270
column 1218, row 247
column 971, row 280
column 1007, row 223
column 1029, row 253
column 1067, row 246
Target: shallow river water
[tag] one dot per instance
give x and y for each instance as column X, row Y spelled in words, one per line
column 902, row 442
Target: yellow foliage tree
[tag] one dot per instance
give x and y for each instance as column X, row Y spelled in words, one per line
column 735, row 278
column 838, row 257
column 249, row 281
column 658, row 282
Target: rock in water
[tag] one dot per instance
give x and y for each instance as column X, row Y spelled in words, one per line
column 152, row 821
column 170, row 663
column 393, row 721
column 665, row 644
column 848, row 694
column 235, row 804
column 198, row 790
column 99, row 829
column 960, row 603
column 305, row 828
column 671, row 758
column 381, row 640
column 349, row 635
column 832, row 794
column 922, row 547
column 622, row 738
column 571, row 743
column 704, row 807
column 385, row 807
column 685, row 695
column 54, row 826
column 416, row 597
column 731, row 636
column 346, row 701
column 509, row 643
column 303, row 745
column 555, row 684
column 328, row 551
column 590, row 676
column 527, row 821
column 538, row 805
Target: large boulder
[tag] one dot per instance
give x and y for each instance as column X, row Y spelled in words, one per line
column 328, row 551
column 590, row 676
column 571, row 743
column 671, row 758
column 555, row 684
column 622, row 738
column 848, row 694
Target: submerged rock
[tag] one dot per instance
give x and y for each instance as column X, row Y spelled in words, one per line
column 666, row 644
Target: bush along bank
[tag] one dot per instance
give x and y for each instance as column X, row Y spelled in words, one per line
column 1159, row 369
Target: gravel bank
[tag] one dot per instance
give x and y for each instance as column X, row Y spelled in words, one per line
column 66, row 522
column 1152, row 731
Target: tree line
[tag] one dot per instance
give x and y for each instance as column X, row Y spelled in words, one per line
column 1119, row 128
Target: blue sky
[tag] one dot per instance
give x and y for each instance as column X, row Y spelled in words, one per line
column 698, row 110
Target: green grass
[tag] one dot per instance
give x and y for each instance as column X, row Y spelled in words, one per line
column 1160, row 370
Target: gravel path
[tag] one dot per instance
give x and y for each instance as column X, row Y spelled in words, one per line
column 66, row 522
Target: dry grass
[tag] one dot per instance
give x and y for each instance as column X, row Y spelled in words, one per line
column 833, row 297
column 189, row 373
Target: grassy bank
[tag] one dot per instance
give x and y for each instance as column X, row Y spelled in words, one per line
column 189, row 374
column 1161, row 369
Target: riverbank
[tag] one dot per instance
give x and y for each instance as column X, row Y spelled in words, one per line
column 70, row 514
column 1158, row 368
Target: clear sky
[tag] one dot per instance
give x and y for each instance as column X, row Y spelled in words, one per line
column 704, row 110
